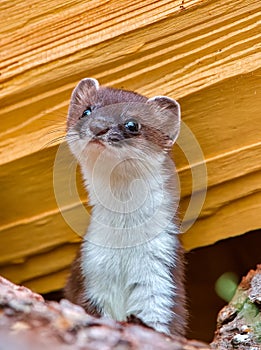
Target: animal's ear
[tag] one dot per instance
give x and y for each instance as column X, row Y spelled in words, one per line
column 86, row 87
column 169, row 111
column 83, row 96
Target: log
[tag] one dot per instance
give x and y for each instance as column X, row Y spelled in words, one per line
column 26, row 319
column 28, row 322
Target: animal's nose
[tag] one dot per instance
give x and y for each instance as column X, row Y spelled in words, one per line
column 99, row 128
column 100, row 132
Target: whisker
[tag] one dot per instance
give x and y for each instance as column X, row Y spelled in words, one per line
column 55, row 130
column 52, row 142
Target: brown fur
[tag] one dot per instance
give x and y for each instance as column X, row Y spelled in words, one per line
column 178, row 326
column 74, row 288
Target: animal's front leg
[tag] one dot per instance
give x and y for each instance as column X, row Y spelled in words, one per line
column 152, row 304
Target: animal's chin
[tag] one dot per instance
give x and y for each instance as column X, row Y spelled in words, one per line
column 97, row 143
column 97, row 147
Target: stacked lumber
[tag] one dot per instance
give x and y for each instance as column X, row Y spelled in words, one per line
column 206, row 54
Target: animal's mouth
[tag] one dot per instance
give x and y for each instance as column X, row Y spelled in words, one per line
column 111, row 141
column 97, row 143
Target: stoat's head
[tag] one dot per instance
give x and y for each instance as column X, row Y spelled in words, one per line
column 119, row 123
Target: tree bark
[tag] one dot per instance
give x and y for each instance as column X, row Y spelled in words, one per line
column 27, row 321
column 239, row 323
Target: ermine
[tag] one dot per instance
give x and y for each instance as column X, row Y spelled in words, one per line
column 130, row 262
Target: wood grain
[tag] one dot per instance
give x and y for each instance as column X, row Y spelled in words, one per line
column 204, row 53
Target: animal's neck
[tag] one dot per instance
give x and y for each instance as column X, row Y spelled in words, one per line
column 131, row 205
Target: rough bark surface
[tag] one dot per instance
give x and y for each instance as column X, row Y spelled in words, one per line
column 27, row 321
column 239, row 323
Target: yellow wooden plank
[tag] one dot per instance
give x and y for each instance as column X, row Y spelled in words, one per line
column 48, row 283
column 239, row 216
column 226, row 167
column 57, row 21
column 39, row 235
column 27, row 188
column 40, row 265
column 178, row 55
column 225, row 117
column 221, row 195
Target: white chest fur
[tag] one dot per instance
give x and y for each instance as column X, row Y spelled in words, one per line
column 129, row 251
column 133, row 280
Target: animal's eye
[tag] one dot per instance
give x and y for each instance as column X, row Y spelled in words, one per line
column 132, row 126
column 86, row 113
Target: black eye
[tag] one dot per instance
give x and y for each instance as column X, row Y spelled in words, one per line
column 86, row 113
column 132, row 126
